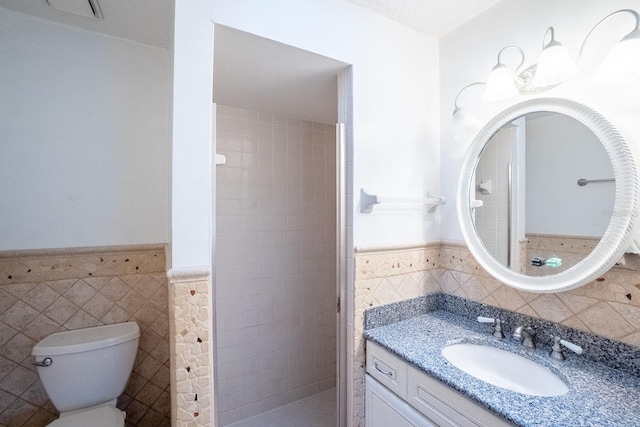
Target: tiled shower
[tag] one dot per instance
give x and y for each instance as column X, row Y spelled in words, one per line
column 491, row 219
column 275, row 261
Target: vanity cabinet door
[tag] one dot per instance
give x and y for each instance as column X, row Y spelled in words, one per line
column 387, row 368
column 446, row 406
column 385, row 409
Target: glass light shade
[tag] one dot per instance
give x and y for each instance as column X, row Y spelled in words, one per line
column 464, row 123
column 554, row 66
column 500, row 84
column 622, row 65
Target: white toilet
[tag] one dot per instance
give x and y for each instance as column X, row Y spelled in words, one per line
column 85, row 370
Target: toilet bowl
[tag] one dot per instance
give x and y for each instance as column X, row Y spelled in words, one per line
column 84, row 371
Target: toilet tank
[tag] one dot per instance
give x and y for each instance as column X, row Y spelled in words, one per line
column 88, row 366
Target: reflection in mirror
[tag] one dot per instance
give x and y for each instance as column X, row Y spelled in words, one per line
column 534, row 217
column 623, row 227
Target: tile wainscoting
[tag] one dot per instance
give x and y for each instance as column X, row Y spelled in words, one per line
column 383, row 276
column 192, row 370
column 45, row 291
column 608, row 307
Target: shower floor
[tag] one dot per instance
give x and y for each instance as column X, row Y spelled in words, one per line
column 318, row 410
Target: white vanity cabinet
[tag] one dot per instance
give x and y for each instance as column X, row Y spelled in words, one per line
column 441, row 405
column 385, row 409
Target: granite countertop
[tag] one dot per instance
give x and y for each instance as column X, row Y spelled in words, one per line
column 598, row 395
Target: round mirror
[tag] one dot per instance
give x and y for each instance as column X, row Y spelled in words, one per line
column 547, row 196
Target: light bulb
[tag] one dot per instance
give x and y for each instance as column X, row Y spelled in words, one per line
column 500, row 84
column 464, row 123
column 554, row 66
column 622, row 65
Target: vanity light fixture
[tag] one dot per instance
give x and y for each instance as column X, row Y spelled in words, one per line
column 501, row 84
column 463, row 120
column 555, row 65
column 622, row 64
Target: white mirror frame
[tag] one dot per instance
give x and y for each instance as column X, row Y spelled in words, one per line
column 621, row 230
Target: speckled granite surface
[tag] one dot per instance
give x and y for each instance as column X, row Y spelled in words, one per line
column 614, row 354
column 598, row 395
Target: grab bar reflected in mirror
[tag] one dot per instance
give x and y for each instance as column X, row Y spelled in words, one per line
column 582, row 182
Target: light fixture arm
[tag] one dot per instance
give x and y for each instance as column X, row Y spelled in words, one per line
column 517, row 69
column 552, row 41
column 635, row 32
column 456, row 107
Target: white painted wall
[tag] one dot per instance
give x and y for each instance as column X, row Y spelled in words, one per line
column 84, row 131
column 395, row 92
column 561, row 150
column 468, row 53
column 192, row 136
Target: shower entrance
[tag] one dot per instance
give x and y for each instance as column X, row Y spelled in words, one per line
column 276, row 233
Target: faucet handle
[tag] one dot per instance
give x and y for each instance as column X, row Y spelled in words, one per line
column 497, row 329
column 556, row 350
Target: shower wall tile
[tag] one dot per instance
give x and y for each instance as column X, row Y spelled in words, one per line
column 47, row 291
column 275, row 258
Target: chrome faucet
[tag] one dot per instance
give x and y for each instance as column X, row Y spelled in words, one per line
column 525, row 334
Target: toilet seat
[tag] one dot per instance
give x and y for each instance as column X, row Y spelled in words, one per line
column 104, row 416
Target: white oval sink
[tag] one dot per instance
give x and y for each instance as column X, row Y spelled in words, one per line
column 505, row 369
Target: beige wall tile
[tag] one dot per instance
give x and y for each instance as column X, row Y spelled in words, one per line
column 61, row 310
column 608, row 307
column 18, row 348
column 580, row 308
column 601, row 319
column 19, row 315
column 40, row 297
column 190, row 344
column 33, row 310
column 549, row 307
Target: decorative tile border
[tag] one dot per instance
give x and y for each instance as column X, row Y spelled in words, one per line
column 76, row 263
column 190, row 302
column 79, row 296
column 387, row 275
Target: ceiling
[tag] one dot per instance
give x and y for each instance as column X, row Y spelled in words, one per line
column 432, row 17
column 253, row 72
column 148, row 22
column 263, row 75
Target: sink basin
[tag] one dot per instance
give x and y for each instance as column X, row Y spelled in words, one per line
column 505, row 369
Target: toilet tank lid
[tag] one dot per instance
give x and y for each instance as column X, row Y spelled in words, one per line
column 87, row 339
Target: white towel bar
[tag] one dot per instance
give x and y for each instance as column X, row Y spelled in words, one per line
column 368, row 201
